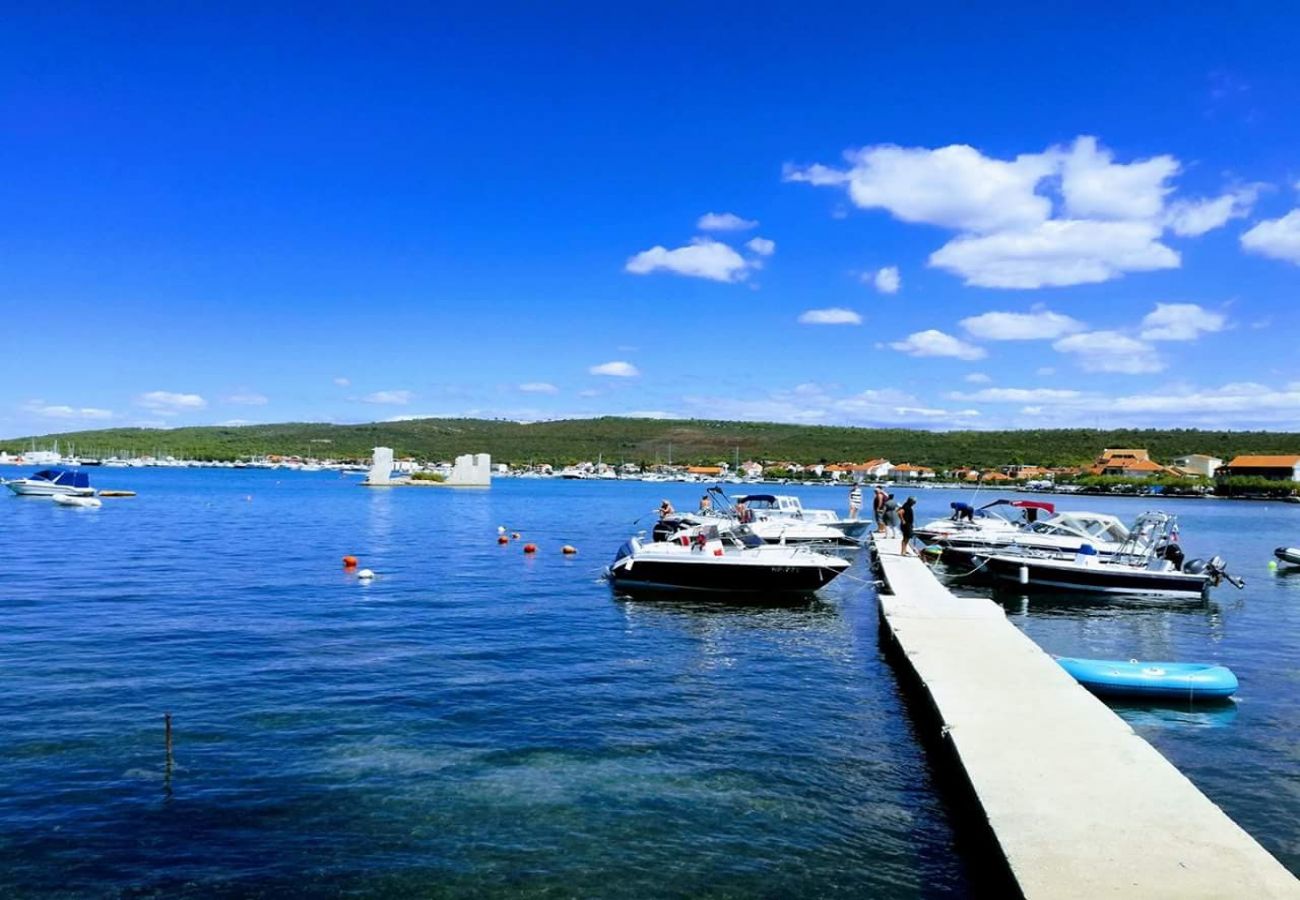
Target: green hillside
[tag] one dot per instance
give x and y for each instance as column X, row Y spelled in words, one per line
column 651, row 440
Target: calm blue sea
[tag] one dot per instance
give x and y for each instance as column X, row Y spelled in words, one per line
column 477, row 722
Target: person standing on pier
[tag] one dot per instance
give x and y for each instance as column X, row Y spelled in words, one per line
column 907, row 521
column 878, row 509
column 855, row 500
column 891, row 515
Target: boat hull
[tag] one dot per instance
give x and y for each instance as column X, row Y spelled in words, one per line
column 1059, row 575
column 1152, row 680
column 26, row 488
column 715, row 578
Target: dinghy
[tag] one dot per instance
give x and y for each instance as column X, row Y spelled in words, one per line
column 1288, row 555
column 73, row 500
column 1154, row 680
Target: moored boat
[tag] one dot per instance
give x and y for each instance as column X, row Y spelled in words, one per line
column 76, row 500
column 1149, row 564
column 1289, row 555
column 1155, row 680
column 49, row 482
column 701, row 558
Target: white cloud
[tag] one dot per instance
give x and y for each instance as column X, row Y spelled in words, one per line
column 1192, row 218
column 977, row 378
column 1015, row 395
column 62, row 411
column 724, row 222
column 1057, row 253
column 649, row 414
column 343, row 382
column 617, row 369
column 810, row 403
column 1276, row 238
column 1180, row 322
column 389, row 398
column 1110, row 351
column 762, row 246
column 1039, row 325
column 886, row 280
column 955, row 187
column 1068, row 215
column 1096, row 187
column 833, row 316
column 538, row 387
column 936, row 343
column 1245, row 397
column 235, row 423
column 247, row 398
column 702, row 258
column 169, row 403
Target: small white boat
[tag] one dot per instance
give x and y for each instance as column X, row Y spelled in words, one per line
column 78, row 501
column 52, row 482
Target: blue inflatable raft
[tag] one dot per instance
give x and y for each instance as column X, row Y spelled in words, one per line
column 1154, row 680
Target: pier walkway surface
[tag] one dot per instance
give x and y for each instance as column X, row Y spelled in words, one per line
column 1079, row 804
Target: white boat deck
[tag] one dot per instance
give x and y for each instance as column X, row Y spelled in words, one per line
column 1080, row 805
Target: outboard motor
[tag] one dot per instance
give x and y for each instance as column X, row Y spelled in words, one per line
column 1217, row 570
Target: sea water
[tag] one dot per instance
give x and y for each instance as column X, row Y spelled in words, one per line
column 478, row 721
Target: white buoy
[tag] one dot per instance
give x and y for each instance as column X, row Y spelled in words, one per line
column 501, row 529
column 365, row 574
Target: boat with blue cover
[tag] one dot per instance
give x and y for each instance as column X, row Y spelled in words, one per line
column 1154, row 680
column 49, row 482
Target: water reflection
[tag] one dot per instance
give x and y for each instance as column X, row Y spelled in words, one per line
column 1177, row 714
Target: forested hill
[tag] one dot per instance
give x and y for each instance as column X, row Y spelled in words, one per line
column 651, row 440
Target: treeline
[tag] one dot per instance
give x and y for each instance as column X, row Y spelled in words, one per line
column 648, row 441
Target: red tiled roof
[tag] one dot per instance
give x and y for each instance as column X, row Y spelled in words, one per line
column 1264, row 462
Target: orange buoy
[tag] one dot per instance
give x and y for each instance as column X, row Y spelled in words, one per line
column 530, row 548
column 569, row 550
column 503, row 539
column 349, row 562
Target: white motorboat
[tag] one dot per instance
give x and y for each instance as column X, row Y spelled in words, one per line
column 705, row 559
column 51, row 482
column 779, row 519
column 784, row 507
column 998, row 517
column 1063, row 534
column 75, row 500
column 1150, row 564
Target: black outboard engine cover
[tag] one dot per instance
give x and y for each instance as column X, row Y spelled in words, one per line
column 1194, row 567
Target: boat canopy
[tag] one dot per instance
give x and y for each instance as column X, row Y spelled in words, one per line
column 1048, row 508
column 757, row 498
column 63, row 477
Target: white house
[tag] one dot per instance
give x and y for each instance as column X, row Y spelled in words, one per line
column 1199, row 464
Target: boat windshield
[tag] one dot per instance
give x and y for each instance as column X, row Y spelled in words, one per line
column 746, row 538
column 1087, row 525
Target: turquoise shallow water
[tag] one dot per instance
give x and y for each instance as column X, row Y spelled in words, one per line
column 475, row 722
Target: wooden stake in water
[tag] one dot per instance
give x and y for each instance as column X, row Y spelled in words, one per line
column 167, row 738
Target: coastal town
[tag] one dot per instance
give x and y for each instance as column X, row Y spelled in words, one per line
column 1121, row 470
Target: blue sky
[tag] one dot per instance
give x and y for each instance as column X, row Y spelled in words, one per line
column 948, row 218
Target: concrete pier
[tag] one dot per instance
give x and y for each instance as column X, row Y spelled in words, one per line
column 1078, row 803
